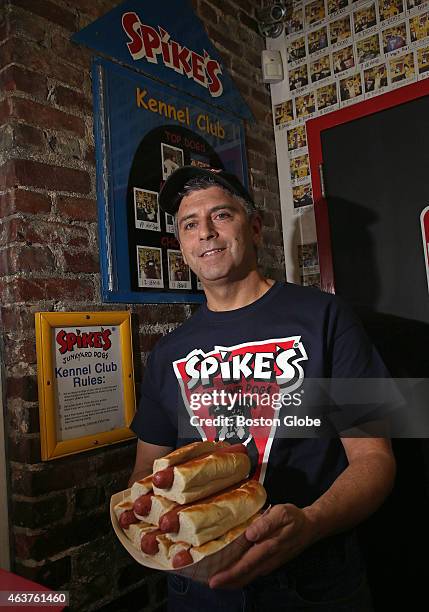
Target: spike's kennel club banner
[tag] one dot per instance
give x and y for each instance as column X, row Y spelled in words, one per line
column 146, row 129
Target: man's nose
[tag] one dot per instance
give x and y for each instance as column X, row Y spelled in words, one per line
column 207, row 229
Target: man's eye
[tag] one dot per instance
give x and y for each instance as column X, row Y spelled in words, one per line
column 223, row 215
column 190, row 225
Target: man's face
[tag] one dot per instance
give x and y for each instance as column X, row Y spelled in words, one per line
column 216, row 235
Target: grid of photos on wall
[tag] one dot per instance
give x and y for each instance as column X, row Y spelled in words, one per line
column 148, row 217
column 340, row 52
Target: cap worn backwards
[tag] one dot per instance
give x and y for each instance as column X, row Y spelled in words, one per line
column 171, row 192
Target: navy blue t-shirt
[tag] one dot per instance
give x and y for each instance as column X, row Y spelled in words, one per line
column 271, row 348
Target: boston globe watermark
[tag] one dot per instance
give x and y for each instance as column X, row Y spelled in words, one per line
column 358, row 407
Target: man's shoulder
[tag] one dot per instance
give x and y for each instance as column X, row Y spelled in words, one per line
column 175, row 337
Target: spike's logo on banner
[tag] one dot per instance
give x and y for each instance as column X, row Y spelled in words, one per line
column 235, row 393
column 153, row 45
column 68, row 341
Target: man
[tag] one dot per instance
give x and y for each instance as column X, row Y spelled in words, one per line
column 279, row 336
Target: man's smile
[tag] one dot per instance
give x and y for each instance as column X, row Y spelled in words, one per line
column 211, row 252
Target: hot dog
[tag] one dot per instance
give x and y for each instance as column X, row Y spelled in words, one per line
column 206, row 520
column 186, row 453
column 150, row 507
column 164, row 478
column 181, row 555
column 208, row 474
column 125, row 515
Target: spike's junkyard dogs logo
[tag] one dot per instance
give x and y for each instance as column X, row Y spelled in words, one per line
column 236, row 393
column 153, row 45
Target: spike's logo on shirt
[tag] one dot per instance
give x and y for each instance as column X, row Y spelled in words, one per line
column 234, row 393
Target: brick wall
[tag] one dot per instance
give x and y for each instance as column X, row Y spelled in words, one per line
column 60, row 528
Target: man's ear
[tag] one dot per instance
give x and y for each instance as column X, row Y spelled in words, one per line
column 256, row 226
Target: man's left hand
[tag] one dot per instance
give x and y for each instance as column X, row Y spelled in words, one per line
column 279, row 535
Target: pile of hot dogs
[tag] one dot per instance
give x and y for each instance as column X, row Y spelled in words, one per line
column 198, row 500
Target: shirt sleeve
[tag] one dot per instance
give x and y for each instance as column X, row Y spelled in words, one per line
column 151, row 423
column 360, row 384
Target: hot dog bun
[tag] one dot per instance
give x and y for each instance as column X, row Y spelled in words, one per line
column 199, row 478
column 203, row 522
column 186, row 453
column 160, row 505
column 141, row 487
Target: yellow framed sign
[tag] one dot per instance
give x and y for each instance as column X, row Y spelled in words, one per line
column 85, row 380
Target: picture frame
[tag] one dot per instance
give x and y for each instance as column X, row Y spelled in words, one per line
column 85, row 380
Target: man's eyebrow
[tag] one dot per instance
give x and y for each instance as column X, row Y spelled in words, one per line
column 212, row 210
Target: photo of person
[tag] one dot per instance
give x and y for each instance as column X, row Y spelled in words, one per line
column 172, row 159
column 314, row 12
column 318, row 40
column 343, row 59
column 340, row 29
column 326, row 96
column 146, row 209
column 308, row 258
column 302, row 195
column 423, row 60
column 296, row 138
column 299, row 167
column 200, row 163
column 149, row 267
column 365, row 17
column 367, row 48
column 402, row 68
column 390, row 8
column 296, row 22
column 419, row 27
column 350, row 87
column 413, row 3
column 394, row 38
column 336, row 5
column 169, row 223
column 305, row 105
column 375, row 78
column 298, row 77
column 320, row 68
column 283, row 113
column 296, row 49
column 311, row 280
column 179, row 273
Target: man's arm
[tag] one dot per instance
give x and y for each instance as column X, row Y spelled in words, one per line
column 145, row 456
column 286, row 530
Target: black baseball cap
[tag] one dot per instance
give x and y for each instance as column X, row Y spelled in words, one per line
column 169, row 195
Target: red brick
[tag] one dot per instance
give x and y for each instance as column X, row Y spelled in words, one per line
column 36, row 513
column 225, row 7
column 4, row 31
column 77, row 209
column 60, row 538
column 50, row 11
column 23, row 418
column 24, row 24
column 90, row 155
column 92, row 9
column 24, row 449
column 67, row 289
column 40, row 231
column 19, row 349
column 28, row 173
column 41, row 60
column 53, row 574
column 69, row 51
column 16, row 78
column 27, row 135
column 167, row 313
column 248, row 21
column 17, row 318
column 24, row 387
column 46, row 116
column 85, row 262
column 20, row 200
column 207, row 12
column 22, row 258
column 5, row 110
column 64, row 96
column 224, row 41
